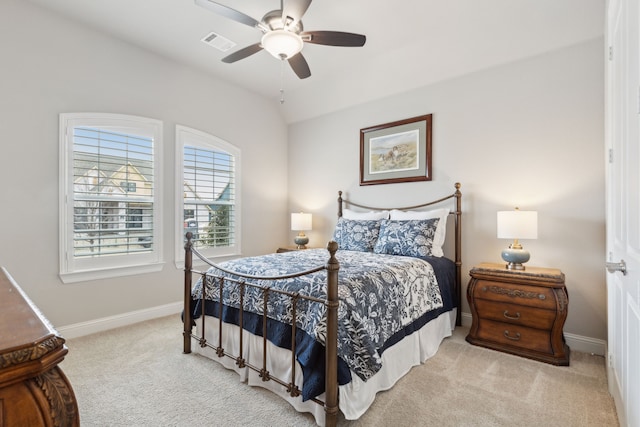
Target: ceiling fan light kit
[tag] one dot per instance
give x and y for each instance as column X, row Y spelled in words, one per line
column 283, row 35
column 282, row 44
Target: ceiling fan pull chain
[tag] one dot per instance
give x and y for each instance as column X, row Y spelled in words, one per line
column 282, row 81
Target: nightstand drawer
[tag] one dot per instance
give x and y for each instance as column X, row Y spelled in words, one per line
column 535, row 296
column 514, row 335
column 516, row 314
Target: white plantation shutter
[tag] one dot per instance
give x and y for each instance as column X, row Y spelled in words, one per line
column 209, row 196
column 110, row 194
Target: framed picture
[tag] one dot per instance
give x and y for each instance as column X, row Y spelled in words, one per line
column 396, row 152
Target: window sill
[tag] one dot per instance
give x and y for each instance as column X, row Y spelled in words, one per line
column 86, row 275
column 215, row 259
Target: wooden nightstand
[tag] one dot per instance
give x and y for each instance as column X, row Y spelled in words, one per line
column 519, row 312
column 292, row 248
column 288, row 249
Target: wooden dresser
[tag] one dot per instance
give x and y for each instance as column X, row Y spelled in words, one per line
column 519, row 312
column 33, row 389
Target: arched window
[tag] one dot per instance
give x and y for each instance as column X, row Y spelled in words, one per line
column 208, row 193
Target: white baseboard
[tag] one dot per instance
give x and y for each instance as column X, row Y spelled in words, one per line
column 586, row 344
column 466, row 319
column 575, row 342
column 98, row 325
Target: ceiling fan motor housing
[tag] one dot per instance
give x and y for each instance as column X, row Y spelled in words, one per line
column 273, row 20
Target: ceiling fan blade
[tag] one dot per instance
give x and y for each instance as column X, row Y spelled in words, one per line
column 228, row 12
column 293, row 10
column 242, row 53
column 300, row 66
column 334, row 38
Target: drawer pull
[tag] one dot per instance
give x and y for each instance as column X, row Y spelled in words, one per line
column 514, row 338
column 507, row 316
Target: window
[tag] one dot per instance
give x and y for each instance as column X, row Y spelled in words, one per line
column 109, row 219
column 209, row 188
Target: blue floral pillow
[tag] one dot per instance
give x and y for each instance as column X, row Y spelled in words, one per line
column 409, row 238
column 356, row 235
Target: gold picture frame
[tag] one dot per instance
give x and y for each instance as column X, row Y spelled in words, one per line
column 396, row 152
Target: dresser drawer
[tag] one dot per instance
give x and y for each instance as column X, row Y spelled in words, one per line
column 514, row 335
column 535, row 296
column 516, row 314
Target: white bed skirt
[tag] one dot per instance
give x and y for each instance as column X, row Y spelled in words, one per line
column 355, row 397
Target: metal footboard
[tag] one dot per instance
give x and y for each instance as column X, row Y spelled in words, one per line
column 242, row 283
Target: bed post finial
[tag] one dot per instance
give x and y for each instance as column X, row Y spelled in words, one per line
column 339, row 204
column 186, row 316
column 332, row 247
column 331, row 361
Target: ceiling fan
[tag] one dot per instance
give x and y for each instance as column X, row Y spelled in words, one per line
column 283, row 35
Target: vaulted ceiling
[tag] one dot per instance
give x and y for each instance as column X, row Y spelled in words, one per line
column 410, row 43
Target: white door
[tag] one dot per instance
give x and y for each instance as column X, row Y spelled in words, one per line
column 623, row 207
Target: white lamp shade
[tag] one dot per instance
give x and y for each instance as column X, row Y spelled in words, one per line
column 282, row 43
column 300, row 221
column 517, row 224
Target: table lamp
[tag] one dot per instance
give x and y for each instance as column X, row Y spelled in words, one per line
column 301, row 222
column 517, row 224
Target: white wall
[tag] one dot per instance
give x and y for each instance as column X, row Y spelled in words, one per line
column 51, row 65
column 527, row 134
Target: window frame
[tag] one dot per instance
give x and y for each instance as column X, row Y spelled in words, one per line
column 73, row 269
column 186, row 136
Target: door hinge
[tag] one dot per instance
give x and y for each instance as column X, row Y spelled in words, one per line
column 610, row 155
column 610, row 53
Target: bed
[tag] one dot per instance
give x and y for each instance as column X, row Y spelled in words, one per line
column 328, row 329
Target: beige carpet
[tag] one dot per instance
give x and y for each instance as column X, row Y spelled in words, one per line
column 138, row 376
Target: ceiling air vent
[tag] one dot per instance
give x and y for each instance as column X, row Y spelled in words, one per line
column 216, row 40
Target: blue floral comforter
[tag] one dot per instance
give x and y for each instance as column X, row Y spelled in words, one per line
column 381, row 298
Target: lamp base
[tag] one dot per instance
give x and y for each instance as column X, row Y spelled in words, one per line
column 301, row 241
column 514, row 266
column 515, row 258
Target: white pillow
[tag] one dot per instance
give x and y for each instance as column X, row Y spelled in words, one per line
column 369, row 216
column 441, row 229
